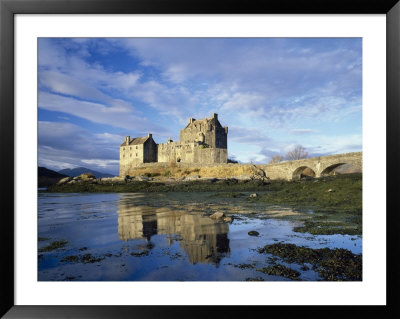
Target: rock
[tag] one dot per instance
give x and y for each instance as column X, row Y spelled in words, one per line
column 116, row 179
column 191, row 178
column 217, row 215
column 258, row 171
column 253, row 195
column 143, row 178
column 243, row 177
column 87, row 176
column 128, row 178
column 266, row 181
column 253, row 233
column 64, row 180
column 330, row 190
column 228, row 219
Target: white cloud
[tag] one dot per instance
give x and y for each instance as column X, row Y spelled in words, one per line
column 302, row 131
column 65, row 145
column 69, row 85
column 118, row 115
column 101, row 163
column 337, row 144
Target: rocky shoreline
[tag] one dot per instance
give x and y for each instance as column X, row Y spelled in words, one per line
column 257, row 175
column 86, row 178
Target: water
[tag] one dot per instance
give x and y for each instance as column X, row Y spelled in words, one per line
column 165, row 237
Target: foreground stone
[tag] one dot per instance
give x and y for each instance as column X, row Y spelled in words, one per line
column 253, row 233
column 217, row 215
column 228, row 219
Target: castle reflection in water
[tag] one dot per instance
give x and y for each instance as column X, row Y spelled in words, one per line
column 203, row 239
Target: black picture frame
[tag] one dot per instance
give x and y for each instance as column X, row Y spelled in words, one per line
column 8, row 8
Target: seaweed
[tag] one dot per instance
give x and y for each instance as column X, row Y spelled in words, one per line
column 54, row 245
column 332, row 264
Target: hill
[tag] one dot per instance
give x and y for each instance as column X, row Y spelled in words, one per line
column 72, row 172
column 47, row 177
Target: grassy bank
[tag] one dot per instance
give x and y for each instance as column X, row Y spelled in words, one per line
column 336, row 203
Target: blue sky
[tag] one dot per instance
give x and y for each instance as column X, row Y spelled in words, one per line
column 272, row 93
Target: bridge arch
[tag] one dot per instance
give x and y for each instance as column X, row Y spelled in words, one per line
column 303, row 172
column 330, row 169
column 344, row 168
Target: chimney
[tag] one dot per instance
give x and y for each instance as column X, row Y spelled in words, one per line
column 191, row 120
column 215, row 116
column 150, row 135
column 127, row 140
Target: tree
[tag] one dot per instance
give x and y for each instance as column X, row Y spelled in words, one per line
column 276, row 159
column 232, row 159
column 298, row 152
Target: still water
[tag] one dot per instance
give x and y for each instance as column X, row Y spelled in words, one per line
column 165, row 237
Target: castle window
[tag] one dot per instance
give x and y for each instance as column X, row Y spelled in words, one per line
column 130, row 148
column 130, row 155
column 136, row 154
column 136, row 147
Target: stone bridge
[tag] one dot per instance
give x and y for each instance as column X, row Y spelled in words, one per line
column 320, row 166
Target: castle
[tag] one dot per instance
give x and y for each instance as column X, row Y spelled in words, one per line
column 202, row 141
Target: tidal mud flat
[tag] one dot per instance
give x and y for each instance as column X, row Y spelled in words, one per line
column 305, row 230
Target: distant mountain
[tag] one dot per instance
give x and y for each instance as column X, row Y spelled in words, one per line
column 72, row 172
column 47, row 177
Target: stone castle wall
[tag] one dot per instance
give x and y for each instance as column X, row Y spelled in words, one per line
column 135, row 155
column 190, row 153
column 207, row 131
column 130, row 156
column 150, row 151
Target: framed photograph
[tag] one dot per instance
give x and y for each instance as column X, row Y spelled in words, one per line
column 160, row 155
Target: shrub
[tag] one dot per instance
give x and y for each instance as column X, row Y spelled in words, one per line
column 167, row 173
column 154, row 174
